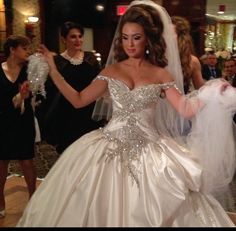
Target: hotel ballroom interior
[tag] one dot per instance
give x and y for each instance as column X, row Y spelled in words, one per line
column 213, row 27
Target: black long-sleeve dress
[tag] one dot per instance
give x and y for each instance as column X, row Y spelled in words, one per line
column 17, row 131
column 61, row 124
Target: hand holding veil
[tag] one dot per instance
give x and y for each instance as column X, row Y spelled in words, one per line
column 211, row 137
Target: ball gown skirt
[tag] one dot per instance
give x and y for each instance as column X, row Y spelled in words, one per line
column 125, row 175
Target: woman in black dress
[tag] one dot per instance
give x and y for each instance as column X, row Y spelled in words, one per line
column 61, row 124
column 17, row 129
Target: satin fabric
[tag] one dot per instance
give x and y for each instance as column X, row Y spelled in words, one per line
column 125, row 175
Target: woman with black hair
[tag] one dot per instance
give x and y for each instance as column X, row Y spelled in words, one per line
column 61, row 124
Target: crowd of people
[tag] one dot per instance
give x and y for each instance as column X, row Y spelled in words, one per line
column 138, row 169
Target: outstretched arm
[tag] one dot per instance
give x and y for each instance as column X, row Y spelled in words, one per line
column 77, row 99
column 187, row 108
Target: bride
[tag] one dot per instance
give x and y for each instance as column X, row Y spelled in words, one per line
column 138, row 170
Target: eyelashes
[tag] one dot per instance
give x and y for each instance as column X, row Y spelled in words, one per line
column 137, row 37
column 75, row 36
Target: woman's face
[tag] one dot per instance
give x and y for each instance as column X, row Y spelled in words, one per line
column 74, row 40
column 21, row 53
column 134, row 40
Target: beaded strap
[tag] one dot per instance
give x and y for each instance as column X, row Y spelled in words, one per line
column 166, row 86
column 102, row 77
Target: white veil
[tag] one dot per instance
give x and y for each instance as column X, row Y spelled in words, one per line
column 167, row 116
column 215, row 153
column 212, row 138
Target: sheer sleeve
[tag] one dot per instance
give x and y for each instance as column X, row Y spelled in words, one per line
column 103, row 106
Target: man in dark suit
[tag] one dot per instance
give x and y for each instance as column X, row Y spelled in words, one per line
column 210, row 69
column 230, row 74
column 230, row 71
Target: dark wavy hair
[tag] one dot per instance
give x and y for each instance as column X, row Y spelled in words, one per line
column 147, row 17
column 67, row 26
column 14, row 41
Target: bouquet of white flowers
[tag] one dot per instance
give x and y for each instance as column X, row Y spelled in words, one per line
column 222, row 56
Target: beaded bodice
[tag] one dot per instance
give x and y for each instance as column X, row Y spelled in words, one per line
column 132, row 125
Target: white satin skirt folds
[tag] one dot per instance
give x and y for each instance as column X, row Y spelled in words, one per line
column 87, row 188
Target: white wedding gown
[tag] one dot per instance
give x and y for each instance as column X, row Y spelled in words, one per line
column 125, row 175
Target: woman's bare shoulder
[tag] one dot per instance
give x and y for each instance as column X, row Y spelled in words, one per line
column 111, row 70
column 195, row 60
column 162, row 75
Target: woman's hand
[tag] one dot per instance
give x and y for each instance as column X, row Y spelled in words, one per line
column 48, row 55
column 24, row 90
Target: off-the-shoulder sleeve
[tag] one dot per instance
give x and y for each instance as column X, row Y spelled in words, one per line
column 166, row 86
column 102, row 77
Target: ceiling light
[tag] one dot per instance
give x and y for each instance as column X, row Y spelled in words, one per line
column 33, row 19
column 100, row 7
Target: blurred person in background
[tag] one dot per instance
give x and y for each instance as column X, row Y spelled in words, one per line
column 190, row 64
column 210, row 69
column 203, row 59
column 230, row 71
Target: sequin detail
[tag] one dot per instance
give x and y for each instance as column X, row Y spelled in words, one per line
column 130, row 140
column 128, row 148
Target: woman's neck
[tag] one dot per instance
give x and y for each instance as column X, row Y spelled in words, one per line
column 13, row 64
column 135, row 62
column 75, row 57
column 12, row 69
column 74, row 53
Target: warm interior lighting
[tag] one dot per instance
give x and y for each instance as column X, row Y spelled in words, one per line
column 30, row 24
column 32, row 19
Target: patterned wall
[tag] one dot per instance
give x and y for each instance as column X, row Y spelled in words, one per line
column 21, row 10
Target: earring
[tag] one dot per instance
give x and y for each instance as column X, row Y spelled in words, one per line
column 147, row 51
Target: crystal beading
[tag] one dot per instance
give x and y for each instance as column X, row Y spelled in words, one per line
column 37, row 71
column 130, row 139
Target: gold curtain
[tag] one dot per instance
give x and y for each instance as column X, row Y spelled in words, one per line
column 225, row 30
column 2, row 24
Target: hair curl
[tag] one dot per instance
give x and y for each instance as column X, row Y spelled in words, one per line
column 185, row 45
column 147, row 17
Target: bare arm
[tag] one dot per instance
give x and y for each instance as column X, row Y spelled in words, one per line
column 77, row 99
column 198, row 81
